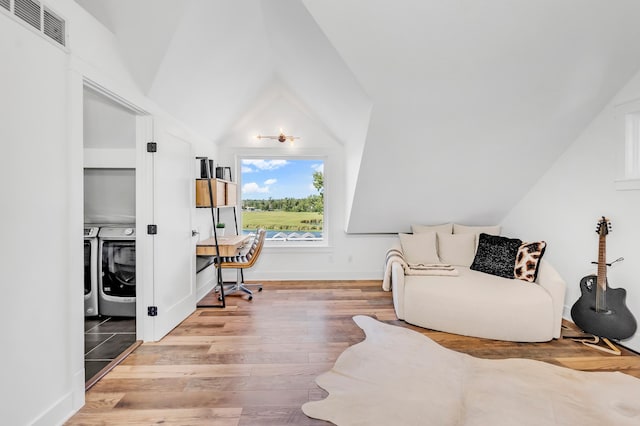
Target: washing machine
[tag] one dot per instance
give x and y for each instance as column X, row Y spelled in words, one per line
column 91, row 270
column 117, row 271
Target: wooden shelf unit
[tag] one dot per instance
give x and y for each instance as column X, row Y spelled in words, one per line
column 224, row 193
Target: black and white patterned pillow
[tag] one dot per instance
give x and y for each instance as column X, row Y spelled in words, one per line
column 496, row 255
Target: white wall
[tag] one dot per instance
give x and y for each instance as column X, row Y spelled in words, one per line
column 36, row 305
column 347, row 256
column 458, row 86
column 107, row 124
column 41, row 167
column 109, row 140
column 109, row 196
column 565, row 205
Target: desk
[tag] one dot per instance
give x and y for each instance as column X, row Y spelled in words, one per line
column 228, row 246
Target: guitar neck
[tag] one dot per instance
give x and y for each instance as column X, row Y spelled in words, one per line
column 601, row 291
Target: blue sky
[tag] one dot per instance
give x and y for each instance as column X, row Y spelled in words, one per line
column 278, row 178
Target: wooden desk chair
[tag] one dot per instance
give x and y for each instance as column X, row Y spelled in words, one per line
column 245, row 259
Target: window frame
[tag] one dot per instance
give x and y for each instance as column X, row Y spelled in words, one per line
column 628, row 127
column 632, row 145
column 261, row 155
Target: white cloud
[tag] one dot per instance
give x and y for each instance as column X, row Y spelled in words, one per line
column 265, row 164
column 318, row 167
column 254, row 188
column 246, row 169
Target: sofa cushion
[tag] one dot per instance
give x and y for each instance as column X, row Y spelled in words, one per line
column 420, row 248
column 445, row 228
column 457, row 249
column 496, row 255
column 464, row 229
column 476, row 230
column 481, row 305
column 528, row 260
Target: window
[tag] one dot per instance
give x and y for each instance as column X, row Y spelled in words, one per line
column 286, row 197
column 632, row 146
column 629, row 115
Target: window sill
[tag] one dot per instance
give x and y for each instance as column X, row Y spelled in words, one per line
column 627, row 184
column 297, row 248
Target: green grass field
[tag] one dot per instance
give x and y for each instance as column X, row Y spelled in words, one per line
column 282, row 221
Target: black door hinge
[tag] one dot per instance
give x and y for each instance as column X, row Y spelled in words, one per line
column 152, row 311
column 152, row 229
column 152, row 147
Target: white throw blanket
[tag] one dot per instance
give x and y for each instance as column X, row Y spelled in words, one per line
column 439, row 269
column 395, row 255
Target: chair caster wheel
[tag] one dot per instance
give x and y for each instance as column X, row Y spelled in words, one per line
column 250, row 297
column 259, row 289
column 219, row 298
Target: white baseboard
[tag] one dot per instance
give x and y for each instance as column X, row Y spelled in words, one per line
column 566, row 313
column 58, row 413
column 203, row 288
column 205, row 282
column 314, row 275
column 78, row 385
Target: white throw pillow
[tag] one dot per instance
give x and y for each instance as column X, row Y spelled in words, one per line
column 457, row 249
column 464, row 229
column 419, row 248
column 445, row 228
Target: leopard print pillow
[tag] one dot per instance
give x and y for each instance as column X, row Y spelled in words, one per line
column 528, row 260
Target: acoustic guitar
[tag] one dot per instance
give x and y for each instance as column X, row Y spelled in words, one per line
column 601, row 310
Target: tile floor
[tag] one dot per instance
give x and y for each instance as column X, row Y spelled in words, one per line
column 104, row 339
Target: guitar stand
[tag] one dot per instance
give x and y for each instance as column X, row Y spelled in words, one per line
column 612, row 349
column 592, row 341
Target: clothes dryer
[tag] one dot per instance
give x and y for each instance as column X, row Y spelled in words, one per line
column 90, row 270
column 117, row 271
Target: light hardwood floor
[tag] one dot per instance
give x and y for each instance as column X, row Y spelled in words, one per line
column 254, row 363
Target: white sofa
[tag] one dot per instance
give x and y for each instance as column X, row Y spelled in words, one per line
column 475, row 303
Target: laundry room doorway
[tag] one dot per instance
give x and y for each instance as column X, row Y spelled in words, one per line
column 109, row 142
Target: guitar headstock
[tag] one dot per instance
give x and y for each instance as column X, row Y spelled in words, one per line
column 603, row 227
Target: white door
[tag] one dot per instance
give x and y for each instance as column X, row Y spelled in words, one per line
column 174, row 289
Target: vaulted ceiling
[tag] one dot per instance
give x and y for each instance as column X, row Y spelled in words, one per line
column 448, row 110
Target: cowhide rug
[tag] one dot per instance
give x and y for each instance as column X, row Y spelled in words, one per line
column 397, row 376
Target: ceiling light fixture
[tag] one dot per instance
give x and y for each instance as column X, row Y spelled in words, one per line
column 280, row 138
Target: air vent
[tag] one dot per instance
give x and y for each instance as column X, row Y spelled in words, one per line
column 53, row 26
column 28, row 11
column 39, row 16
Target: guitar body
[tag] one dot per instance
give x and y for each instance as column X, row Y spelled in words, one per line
column 616, row 322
